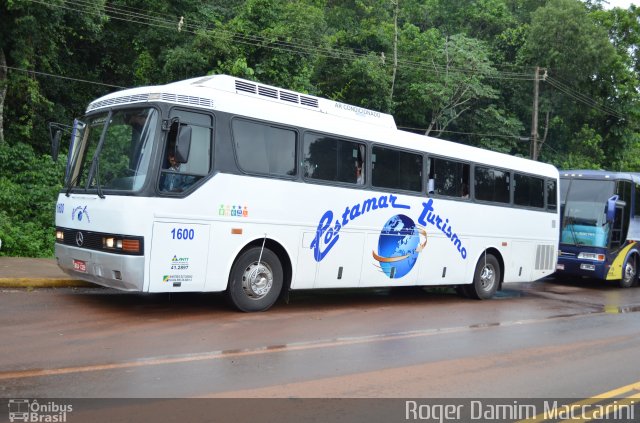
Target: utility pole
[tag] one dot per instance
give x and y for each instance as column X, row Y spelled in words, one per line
column 534, row 117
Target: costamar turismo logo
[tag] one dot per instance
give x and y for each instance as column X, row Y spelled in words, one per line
column 399, row 245
column 401, row 239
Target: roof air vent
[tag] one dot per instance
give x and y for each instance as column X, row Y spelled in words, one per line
column 268, row 92
column 293, row 98
column 246, row 87
column 308, row 101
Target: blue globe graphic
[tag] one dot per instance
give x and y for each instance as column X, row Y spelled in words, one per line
column 397, row 246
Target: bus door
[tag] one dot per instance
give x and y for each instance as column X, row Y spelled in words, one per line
column 618, row 227
column 620, row 220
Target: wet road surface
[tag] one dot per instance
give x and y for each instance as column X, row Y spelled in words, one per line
column 544, row 339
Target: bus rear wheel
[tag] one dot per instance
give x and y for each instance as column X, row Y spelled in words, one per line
column 485, row 279
column 629, row 272
column 253, row 285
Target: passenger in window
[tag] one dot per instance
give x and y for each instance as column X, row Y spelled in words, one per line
column 359, row 173
column 465, row 190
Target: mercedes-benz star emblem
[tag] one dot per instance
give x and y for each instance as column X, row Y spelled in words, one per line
column 79, row 239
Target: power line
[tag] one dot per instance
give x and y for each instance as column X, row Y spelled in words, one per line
column 117, row 86
column 135, row 16
column 60, row 76
column 580, row 96
column 583, row 98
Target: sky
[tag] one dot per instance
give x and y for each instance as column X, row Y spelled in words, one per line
column 621, row 3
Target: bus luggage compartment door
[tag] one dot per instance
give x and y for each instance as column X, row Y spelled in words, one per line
column 178, row 257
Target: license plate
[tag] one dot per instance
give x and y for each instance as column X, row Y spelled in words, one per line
column 80, row 266
column 560, row 267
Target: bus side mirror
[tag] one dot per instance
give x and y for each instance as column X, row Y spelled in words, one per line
column 55, row 133
column 55, row 144
column 610, row 210
column 183, row 144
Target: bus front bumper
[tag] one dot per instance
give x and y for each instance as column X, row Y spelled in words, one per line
column 579, row 267
column 117, row 271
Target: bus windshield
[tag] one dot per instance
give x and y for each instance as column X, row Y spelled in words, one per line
column 584, row 221
column 123, row 157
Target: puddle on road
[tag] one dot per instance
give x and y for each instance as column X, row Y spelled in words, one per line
column 508, row 293
column 615, row 309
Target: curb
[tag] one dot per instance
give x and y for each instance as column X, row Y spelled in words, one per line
column 44, row 283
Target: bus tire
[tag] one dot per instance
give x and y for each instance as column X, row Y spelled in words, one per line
column 486, row 278
column 255, row 286
column 629, row 272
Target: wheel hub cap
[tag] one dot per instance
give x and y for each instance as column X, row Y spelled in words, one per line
column 629, row 272
column 257, row 280
column 487, row 276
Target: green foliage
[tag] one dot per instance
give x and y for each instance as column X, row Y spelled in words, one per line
column 29, row 184
column 437, row 94
column 464, row 72
column 498, row 130
column 585, row 151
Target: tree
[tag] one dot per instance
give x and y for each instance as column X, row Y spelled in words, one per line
column 278, row 40
column 33, row 41
column 3, row 91
column 358, row 66
column 29, row 183
column 449, row 76
column 584, row 69
column 585, row 150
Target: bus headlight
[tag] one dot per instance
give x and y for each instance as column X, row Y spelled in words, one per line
column 123, row 244
column 591, row 256
column 60, row 236
column 108, row 242
column 112, row 243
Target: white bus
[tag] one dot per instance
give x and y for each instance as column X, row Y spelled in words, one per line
column 223, row 184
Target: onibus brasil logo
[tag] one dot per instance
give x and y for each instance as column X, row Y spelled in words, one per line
column 401, row 239
column 24, row 410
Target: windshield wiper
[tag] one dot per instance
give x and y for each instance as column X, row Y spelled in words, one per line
column 96, row 159
column 71, row 184
column 570, row 223
column 98, row 186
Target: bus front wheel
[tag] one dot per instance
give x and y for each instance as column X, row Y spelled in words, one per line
column 485, row 279
column 629, row 272
column 256, row 280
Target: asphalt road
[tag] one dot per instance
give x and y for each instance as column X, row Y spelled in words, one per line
column 534, row 340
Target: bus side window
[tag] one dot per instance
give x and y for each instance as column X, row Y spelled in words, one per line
column 551, row 195
column 528, row 191
column 265, row 149
column 449, row 178
column 178, row 177
column 332, row 159
column 492, row 184
column 396, row 169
